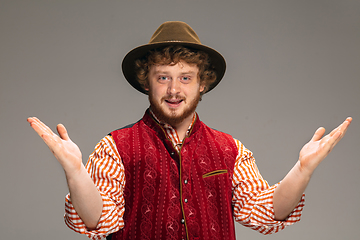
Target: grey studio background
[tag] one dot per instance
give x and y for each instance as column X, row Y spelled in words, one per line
column 292, row 66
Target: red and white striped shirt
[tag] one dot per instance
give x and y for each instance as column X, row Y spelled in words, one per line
column 252, row 195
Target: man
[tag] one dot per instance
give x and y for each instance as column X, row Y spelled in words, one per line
column 169, row 176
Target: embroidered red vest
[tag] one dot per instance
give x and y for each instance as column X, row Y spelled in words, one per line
column 171, row 195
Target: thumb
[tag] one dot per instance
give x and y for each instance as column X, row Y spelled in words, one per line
column 318, row 134
column 62, row 132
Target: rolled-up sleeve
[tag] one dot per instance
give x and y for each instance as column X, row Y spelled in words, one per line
column 253, row 197
column 107, row 171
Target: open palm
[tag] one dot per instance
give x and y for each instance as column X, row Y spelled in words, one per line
column 319, row 147
column 66, row 151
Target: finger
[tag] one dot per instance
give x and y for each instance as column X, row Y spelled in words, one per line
column 47, row 135
column 62, row 132
column 39, row 124
column 40, row 127
column 319, row 133
column 342, row 128
column 337, row 134
column 328, row 143
column 346, row 124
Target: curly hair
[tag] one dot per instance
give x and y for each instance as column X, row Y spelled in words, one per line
column 171, row 55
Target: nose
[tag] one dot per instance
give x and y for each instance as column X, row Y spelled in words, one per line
column 174, row 87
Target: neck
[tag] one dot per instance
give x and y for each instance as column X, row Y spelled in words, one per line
column 183, row 126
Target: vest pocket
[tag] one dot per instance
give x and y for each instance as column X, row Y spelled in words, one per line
column 213, row 173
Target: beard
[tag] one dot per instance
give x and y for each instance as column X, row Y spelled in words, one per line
column 173, row 118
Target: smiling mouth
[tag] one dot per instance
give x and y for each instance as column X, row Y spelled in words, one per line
column 174, row 102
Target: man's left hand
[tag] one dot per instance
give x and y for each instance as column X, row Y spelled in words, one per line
column 312, row 154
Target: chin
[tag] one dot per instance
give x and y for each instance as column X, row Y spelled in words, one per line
column 173, row 116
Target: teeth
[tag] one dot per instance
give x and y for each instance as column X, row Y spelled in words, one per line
column 173, row 101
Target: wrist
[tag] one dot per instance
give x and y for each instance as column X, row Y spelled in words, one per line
column 76, row 174
column 302, row 172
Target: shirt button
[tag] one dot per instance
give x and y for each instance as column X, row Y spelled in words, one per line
column 182, row 221
column 185, row 200
column 185, row 181
column 172, row 153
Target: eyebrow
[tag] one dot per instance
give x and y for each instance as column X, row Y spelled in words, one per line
column 167, row 72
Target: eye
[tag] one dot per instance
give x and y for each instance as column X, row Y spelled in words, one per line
column 163, row 78
column 185, row 79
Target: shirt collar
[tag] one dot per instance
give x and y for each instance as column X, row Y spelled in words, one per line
column 165, row 125
column 171, row 132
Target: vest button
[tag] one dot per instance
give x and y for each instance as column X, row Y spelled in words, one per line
column 185, row 181
column 182, row 221
column 172, row 153
column 185, row 200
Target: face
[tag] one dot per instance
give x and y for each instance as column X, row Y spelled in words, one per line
column 174, row 92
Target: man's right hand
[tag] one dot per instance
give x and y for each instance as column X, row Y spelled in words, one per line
column 66, row 151
column 84, row 195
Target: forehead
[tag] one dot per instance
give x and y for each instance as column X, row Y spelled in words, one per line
column 180, row 67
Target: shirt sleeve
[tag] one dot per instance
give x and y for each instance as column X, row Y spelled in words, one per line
column 253, row 197
column 107, row 171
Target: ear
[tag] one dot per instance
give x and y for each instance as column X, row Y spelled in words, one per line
column 202, row 87
column 146, row 86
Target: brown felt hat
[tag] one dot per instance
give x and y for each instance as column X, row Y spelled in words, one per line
column 171, row 33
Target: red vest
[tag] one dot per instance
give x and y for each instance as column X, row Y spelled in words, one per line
column 176, row 196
